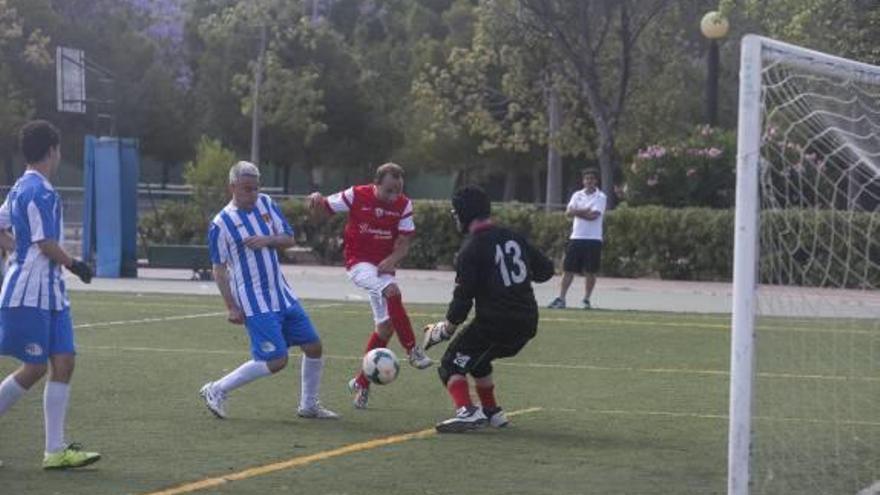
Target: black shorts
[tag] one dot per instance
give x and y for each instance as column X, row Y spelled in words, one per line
column 583, row 256
column 475, row 346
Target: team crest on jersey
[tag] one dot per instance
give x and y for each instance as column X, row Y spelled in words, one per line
column 266, row 217
column 380, row 212
column 33, row 349
column 461, row 360
column 267, row 346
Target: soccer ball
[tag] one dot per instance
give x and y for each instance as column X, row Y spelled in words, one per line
column 380, row 366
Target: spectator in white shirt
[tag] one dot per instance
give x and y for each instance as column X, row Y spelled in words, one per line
column 584, row 251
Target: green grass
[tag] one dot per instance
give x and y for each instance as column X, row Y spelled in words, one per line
column 632, row 403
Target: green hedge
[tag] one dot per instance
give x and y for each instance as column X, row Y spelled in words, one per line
column 822, row 248
column 175, row 222
column 679, row 244
column 811, row 247
column 640, row 242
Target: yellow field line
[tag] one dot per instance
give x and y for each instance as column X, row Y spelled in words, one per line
column 307, row 459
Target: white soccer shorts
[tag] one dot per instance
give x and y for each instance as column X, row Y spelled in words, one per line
column 367, row 277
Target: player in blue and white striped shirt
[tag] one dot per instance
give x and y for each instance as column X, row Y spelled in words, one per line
column 34, row 310
column 244, row 239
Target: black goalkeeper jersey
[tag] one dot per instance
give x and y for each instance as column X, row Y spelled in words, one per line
column 495, row 267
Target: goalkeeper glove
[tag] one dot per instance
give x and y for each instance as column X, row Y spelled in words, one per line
column 81, row 270
column 436, row 333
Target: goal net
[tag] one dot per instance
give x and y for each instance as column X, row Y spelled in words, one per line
column 805, row 361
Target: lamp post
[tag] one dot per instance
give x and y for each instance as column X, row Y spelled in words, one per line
column 714, row 26
column 256, row 110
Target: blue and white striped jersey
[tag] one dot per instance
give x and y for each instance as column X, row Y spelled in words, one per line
column 255, row 275
column 33, row 211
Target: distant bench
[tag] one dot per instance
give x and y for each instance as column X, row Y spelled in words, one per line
column 193, row 257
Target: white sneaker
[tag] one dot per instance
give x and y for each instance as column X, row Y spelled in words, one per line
column 496, row 417
column 317, row 411
column 466, row 419
column 215, row 400
column 361, row 394
column 418, row 359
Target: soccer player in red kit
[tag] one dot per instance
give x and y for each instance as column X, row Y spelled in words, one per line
column 377, row 237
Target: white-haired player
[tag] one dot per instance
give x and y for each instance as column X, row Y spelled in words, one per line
column 244, row 239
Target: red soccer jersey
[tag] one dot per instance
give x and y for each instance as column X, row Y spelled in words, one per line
column 373, row 225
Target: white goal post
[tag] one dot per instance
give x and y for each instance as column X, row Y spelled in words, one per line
column 806, row 245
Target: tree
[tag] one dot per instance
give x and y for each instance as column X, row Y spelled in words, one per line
column 149, row 101
column 596, row 45
column 24, row 50
column 848, row 28
column 314, row 107
column 208, row 175
column 488, row 94
column 164, row 126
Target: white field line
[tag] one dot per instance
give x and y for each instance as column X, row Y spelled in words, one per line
column 647, row 324
column 147, row 320
column 618, row 412
column 719, row 417
column 584, row 367
column 616, row 369
column 704, row 323
column 161, row 319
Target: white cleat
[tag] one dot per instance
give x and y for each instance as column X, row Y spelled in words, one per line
column 496, row 416
column 418, row 359
column 466, row 419
column 317, row 411
column 361, row 394
column 215, row 400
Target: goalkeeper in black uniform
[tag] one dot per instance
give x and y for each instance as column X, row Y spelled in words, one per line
column 495, row 266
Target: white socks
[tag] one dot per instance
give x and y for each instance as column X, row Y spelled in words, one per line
column 10, row 392
column 251, row 370
column 55, row 398
column 56, row 395
column 243, row 375
column 311, row 381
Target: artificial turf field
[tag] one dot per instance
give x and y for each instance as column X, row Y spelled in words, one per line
column 606, row 402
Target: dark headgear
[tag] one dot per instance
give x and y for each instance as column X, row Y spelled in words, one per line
column 470, row 203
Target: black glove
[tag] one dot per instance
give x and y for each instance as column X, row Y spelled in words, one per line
column 81, row 270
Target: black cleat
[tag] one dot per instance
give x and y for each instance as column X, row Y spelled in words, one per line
column 466, row 419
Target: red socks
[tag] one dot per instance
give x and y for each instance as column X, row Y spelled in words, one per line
column 459, row 391
column 487, row 396
column 375, row 342
column 403, row 328
column 401, row 323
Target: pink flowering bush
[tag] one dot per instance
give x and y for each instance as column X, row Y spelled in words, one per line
column 698, row 171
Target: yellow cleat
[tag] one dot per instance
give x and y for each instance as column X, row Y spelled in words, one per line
column 71, row 457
